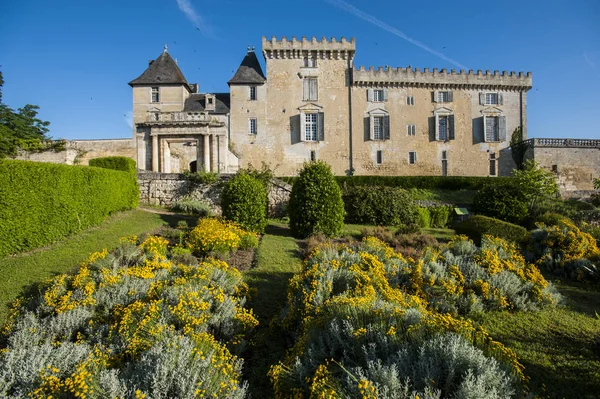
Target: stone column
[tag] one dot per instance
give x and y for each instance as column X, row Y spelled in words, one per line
column 155, row 153
column 167, row 156
column 198, row 155
column 206, row 149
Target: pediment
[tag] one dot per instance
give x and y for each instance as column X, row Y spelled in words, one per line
column 442, row 111
column 491, row 110
column 310, row 107
column 377, row 111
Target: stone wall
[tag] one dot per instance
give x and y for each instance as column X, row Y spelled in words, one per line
column 164, row 189
column 79, row 152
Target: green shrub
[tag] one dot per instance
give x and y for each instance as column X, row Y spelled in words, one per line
column 550, row 219
column 439, row 216
column 424, row 220
column 409, row 229
column 244, row 200
column 201, row 177
column 42, row 202
column 316, row 203
column 501, row 200
column 384, row 206
column 116, row 163
column 193, row 207
column 476, row 226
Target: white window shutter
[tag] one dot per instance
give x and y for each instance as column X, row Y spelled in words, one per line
column 436, row 96
column 370, row 95
column 481, row 98
column 371, row 128
column 484, row 128
column 385, row 94
column 437, row 127
column 500, row 99
column 302, row 126
column 450, row 96
column 314, row 89
column 306, row 87
column 502, row 128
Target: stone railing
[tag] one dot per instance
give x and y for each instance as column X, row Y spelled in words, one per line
column 178, row 117
column 566, row 143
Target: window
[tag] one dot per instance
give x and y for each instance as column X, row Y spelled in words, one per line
column 156, row 116
column 252, row 126
column 492, row 164
column 555, row 169
column 310, row 62
column 491, row 128
column 412, row 157
column 378, row 128
column 310, row 89
column 377, row 95
column 411, row 130
column 491, row 98
column 410, row 100
column 310, row 127
column 210, row 101
column 444, row 163
column 252, row 93
column 442, row 128
column 155, row 97
column 443, row 96
column 444, row 125
column 313, row 156
column 379, row 157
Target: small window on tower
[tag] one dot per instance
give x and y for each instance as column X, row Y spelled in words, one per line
column 155, row 96
column 252, row 93
column 313, row 156
column 492, row 164
column 379, row 157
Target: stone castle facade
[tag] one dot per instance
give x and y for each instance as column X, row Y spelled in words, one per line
column 314, row 103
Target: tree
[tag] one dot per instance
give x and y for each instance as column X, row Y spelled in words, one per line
column 535, row 183
column 20, row 129
column 244, row 200
column 316, row 204
column 518, row 147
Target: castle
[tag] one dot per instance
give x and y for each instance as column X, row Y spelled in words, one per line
column 313, row 103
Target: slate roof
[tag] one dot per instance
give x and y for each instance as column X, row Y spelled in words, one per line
column 197, row 103
column 249, row 71
column 163, row 70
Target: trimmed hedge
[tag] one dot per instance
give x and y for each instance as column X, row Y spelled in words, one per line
column 384, row 206
column 116, row 163
column 476, row 226
column 244, row 200
column 502, row 200
column 42, row 202
column 422, row 182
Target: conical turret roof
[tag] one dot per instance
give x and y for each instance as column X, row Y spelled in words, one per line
column 249, row 71
column 163, row 70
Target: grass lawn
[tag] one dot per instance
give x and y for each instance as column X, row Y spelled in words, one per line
column 560, row 347
column 278, row 259
column 23, row 271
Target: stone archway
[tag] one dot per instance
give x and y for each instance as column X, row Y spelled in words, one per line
column 193, row 166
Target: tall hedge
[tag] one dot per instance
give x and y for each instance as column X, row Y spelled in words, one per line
column 422, row 182
column 316, row 202
column 502, row 200
column 42, row 202
column 244, row 200
column 476, row 226
column 384, row 206
column 116, row 163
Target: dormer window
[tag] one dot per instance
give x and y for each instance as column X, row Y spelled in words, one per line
column 210, row 102
column 155, row 97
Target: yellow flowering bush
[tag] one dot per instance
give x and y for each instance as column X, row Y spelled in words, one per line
column 136, row 312
column 360, row 332
column 565, row 249
column 220, row 236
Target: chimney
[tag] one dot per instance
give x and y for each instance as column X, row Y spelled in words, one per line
column 150, row 62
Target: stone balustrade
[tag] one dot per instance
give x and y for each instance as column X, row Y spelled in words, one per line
column 566, row 143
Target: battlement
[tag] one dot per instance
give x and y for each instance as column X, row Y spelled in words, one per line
column 415, row 77
column 295, row 48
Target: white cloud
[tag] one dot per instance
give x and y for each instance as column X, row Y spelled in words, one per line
column 590, row 63
column 186, row 7
column 128, row 116
column 371, row 19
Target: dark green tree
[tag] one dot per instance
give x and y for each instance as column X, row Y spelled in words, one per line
column 518, row 147
column 22, row 129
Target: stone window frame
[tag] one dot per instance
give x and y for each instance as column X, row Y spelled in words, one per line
column 385, row 120
column 252, row 126
column 252, row 93
column 310, row 61
column 377, row 95
column 312, row 109
column 412, row 157
column 500, row 134
column 445, row 163
column 493, row 169
column 450, row 124
column 443, row 96
column 379, row 157
column 410, row 100
column 154, row 91
column 411, row 129
column 483, row 98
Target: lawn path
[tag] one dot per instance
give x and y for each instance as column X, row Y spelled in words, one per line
column 278, row 259
column 23, row 271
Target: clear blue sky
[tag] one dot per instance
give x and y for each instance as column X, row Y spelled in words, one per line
column 75, row 58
